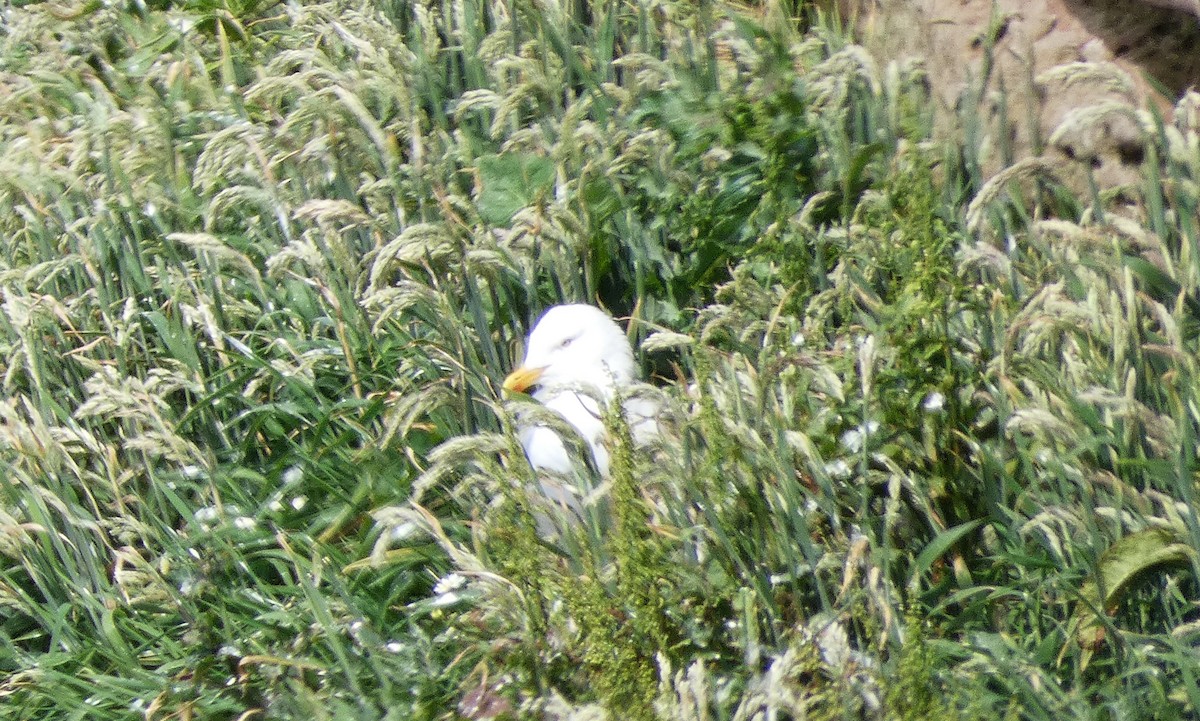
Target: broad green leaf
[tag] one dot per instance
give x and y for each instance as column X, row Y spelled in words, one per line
column 1129, row 557
column 938, row 546
column 511, row 181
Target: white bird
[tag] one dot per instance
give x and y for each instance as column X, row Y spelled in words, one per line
column 578, row 358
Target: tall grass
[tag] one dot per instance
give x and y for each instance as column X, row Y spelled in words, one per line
column 932, row 438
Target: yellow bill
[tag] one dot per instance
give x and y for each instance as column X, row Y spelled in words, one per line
column 522, row 378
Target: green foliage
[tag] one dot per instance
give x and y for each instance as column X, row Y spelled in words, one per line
column 914, row 693
column 265, row 264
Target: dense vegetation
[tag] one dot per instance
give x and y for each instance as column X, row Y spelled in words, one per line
column 933, row 438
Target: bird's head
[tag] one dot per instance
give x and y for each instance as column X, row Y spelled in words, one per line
column 574, row 345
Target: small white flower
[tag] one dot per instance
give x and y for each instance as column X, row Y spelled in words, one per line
column 299, row 502
column 934, row 402
column 292, row 475
column 244, row 523
column 192, row 472
column 452, row 582
column 394, row 646
column 206, row 515
column 838, row 469
column 181, row 24
column 446, row 599
column 798, row 340
column 448, row 590
column 853, row 439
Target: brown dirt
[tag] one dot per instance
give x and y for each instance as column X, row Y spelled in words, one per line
column 1037, row 67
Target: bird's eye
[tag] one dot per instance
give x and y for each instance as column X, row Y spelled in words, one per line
column 566, row 342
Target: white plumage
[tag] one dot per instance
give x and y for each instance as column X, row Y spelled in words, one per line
column 578, row 358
